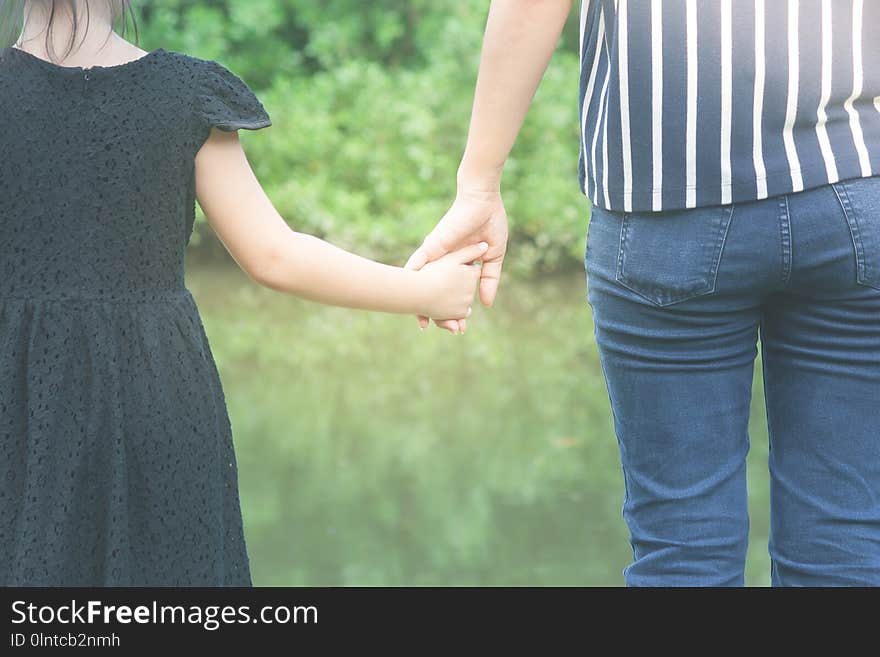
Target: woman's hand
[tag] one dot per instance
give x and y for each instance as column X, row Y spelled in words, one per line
column 476, row 215
column 450, row 281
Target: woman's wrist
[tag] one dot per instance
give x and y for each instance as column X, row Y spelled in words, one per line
column 475, row 177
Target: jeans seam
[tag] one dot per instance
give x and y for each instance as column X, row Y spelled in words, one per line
column 842, row 195
column 769, row 421
column 719, row 252
column 785, row 240
column 621, row 237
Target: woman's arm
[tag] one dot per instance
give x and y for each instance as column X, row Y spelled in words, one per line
column 520, row 38
column 276, row 256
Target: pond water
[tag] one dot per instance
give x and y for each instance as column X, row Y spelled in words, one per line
column 373, row 454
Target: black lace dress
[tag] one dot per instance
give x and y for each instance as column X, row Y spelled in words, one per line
column 116, row 457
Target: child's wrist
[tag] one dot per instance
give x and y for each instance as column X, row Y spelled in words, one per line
column 418, row 295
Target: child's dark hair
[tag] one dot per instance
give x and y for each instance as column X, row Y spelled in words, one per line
column 12, row 16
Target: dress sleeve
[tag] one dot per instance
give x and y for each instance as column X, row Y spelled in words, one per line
column 224, row 101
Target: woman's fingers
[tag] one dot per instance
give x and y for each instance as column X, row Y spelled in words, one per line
column 490, row 276
column 417, row 260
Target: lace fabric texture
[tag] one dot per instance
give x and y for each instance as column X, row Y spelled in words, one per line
column 117, row 465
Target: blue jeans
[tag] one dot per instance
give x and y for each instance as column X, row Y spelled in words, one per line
column 678, row 301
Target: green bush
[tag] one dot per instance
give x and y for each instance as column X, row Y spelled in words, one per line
column 370, row 104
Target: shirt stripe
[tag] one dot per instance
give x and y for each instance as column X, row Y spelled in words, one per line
column 726, row 98
column 821, row 113
column 605, row 154
column 794, row 164
column 623, row 77
column 591, row 86
column 657, row 100
column 691, row 110
column 758, row 105
column 603, row 98
column 687, row 103
column 855, row 125
column 583, row 35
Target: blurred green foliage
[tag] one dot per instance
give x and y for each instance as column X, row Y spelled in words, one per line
column 370, row 103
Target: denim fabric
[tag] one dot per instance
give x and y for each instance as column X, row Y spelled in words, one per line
column 679, row 300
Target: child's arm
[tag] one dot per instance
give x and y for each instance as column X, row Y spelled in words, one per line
column 276, row 256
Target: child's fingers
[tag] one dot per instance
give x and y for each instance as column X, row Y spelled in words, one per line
column 450, row 325
column 469, row 253
column 423, row 322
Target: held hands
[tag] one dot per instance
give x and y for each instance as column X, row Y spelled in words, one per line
column 477, row 215
column 449, row 282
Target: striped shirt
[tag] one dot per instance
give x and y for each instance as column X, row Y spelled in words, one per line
column 688, row 103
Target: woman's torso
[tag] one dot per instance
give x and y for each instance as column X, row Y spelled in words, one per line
column 687, row 103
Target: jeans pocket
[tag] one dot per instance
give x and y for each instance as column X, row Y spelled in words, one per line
column 669, row 257
column 860, row 200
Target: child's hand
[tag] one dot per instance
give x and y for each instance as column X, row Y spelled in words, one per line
column 450, row 283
